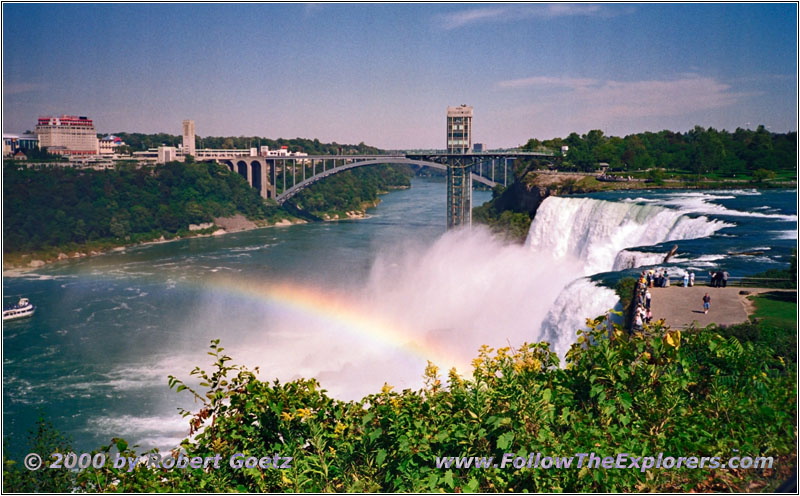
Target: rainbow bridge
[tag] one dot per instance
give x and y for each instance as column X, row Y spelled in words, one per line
column 281, row 177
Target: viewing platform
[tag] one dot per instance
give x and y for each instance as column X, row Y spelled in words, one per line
column 680, row 307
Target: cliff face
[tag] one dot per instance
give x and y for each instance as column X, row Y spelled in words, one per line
column 511, row 212
column 522, row 197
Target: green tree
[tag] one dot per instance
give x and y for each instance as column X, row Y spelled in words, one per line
column 762, row 175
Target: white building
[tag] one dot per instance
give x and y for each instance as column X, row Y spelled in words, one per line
column 167, row 154
column 109, row 145
column 281, row 152
column 68, row 135
column 188, row 138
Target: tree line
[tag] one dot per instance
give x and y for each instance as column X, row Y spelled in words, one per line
column 141, row 142
column 63, row 207
column 698, row 151
column 57, row 206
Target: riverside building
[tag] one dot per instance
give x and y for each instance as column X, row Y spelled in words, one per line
column 67, row 135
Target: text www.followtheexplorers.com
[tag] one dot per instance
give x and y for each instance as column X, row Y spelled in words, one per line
column 592, row 461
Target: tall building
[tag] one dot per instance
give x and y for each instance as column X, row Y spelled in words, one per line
column 459, row 129
column 459, row 169
column 188, row 138
column 67, row 135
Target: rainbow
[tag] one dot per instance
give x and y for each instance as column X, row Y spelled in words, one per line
column 330, row 307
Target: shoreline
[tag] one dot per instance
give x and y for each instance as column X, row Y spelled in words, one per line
column 236, row 224
column 21, row 270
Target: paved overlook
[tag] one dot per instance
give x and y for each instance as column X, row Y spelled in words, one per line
column 680, row 306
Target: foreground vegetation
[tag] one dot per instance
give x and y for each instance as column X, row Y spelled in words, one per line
column 696, row 392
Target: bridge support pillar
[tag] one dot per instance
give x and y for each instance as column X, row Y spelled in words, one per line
column 272, row 166
column 459, row 192
column 266, row 184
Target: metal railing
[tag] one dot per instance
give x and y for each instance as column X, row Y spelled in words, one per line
column 746, row 281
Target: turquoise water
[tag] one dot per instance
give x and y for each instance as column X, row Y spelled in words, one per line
column 109, row 329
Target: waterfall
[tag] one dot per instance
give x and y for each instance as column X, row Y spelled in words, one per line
column 595, row 234
column 595, row 231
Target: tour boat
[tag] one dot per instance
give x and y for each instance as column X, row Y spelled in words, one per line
column 23, row 308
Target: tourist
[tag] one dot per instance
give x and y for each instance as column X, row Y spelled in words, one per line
column 647, row 298
column 649, row 316
column 706, row 303
column 691, row 279
column 725, row 279
column 637, row 322
column 686, row 279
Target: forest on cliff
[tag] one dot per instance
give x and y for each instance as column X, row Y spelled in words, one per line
column 701, row 150
column 63, row 209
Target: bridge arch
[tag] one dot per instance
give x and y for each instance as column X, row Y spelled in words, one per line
column 290, row 192
column 241, row 168
column 255, row 174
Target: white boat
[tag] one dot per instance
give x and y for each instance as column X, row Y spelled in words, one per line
column 23, row 308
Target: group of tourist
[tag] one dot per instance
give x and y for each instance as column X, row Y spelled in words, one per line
column 719, row 279
column 643, row 313
column 659, row 278
column 655, row 278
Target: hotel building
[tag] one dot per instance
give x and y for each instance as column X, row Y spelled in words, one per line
column 67, row 135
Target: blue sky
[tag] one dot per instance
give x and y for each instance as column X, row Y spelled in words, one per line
column 385, row 73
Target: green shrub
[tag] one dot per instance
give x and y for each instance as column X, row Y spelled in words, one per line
column 679, row 393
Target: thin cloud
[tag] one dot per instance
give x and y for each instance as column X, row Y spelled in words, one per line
column 477, row 15
column 310, row 9
column 17, row 88
column 546, row 81
column 628, row 99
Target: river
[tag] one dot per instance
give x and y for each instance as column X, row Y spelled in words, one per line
column 352, row 303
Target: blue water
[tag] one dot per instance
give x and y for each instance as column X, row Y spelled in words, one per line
column 761, row 221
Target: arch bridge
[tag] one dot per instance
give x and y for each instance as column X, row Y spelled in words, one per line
column 282, row 177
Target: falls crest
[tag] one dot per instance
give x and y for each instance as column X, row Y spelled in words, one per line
column 595, row 231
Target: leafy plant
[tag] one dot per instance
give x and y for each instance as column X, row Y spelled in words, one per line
column 690, row 392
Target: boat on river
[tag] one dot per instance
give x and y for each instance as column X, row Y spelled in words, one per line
column 23, row 308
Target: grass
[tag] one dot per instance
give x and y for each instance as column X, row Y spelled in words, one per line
column 776, row 308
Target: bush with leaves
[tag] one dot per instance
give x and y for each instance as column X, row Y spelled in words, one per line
column 681, row 393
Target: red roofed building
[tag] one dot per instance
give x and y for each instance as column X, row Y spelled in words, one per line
column 67, row 135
